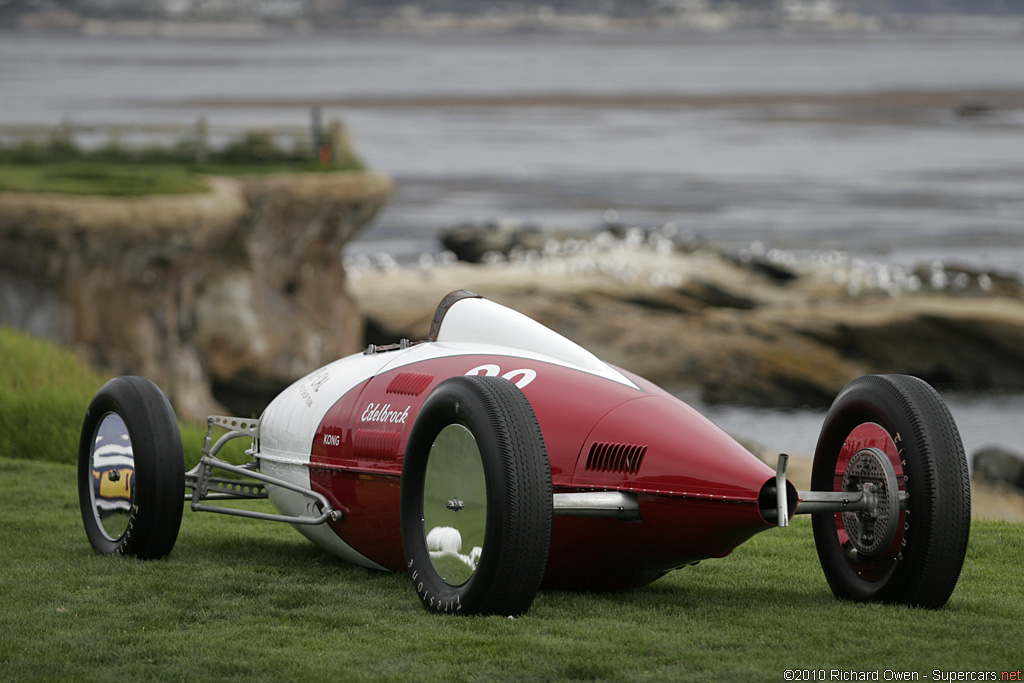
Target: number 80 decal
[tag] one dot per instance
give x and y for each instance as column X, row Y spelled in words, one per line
column 525, row 375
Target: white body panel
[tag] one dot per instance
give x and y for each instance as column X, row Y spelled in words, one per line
column 491, row 325
column 471, row 327
column 287, row 429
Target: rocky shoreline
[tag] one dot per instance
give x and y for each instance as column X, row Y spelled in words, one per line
column 753, row 327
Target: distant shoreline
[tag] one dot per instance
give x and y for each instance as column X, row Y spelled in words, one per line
column 902, row 99
column 417, row 21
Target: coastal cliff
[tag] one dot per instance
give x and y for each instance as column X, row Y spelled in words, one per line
column 228, row 296
column 221, row 297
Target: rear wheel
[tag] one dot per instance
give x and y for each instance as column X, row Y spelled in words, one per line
column 476, row 499
column 131, row 470
column 884, row 431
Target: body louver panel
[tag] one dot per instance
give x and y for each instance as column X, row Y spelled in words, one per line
column 616, row 457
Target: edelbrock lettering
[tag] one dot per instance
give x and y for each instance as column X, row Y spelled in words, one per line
column 375, row 412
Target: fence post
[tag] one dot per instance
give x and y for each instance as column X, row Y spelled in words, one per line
column 65, row 138
column 114, row 140
column 202, row 141
column 316, row 134
column 340, row 143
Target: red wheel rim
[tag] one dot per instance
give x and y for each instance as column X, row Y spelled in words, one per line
column 875, row 567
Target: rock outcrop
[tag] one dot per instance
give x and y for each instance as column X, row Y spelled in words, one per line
column 1000, row 467
column 220, row 298
column 997, row 484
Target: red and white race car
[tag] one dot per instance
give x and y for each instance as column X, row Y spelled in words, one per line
column 497, row 457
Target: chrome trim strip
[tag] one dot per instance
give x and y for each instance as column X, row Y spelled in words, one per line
column 612, row 504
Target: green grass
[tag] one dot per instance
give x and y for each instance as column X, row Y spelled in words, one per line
column 44, row 392
column 100, row 178
column 249, row 600
column 62, row 167
column 122, row 179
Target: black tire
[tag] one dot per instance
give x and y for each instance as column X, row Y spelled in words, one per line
column 131, row 493
column 906, row 418
column 518, row 500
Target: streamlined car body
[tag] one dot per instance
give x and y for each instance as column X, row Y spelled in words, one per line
column 497, row 457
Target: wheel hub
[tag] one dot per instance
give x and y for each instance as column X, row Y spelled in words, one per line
column 454, row 504
column 112, row 469
column 872, row 530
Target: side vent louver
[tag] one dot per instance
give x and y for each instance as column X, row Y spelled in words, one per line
column 373, row 444
column 616, row 457
column 409, row 383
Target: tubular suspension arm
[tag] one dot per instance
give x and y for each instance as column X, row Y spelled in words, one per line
column 207, row 487
column 840, row 501
column 209, row 462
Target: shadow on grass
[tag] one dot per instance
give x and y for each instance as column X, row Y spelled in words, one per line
column 676, row 596
column 266, row 548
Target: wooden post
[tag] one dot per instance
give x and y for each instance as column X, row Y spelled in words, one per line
column 340, row 143
column 316, row 134
column 202, row 141
column 65, row 138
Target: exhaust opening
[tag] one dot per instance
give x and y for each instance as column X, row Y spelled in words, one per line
column 768, row 501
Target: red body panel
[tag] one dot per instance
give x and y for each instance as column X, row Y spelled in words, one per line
column 697, row 488
column 607, row 554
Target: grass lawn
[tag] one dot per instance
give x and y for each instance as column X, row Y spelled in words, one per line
column 245, row 600
column 62, row 167
column 248, row 600
column 44, row 391
column 100, row 178
column 124, row 179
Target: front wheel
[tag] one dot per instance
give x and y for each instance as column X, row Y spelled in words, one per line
column 131, row 470
column 884, row 431
column 476, row 499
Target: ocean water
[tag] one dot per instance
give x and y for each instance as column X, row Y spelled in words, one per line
column 983, row 420
column 889, row 185
column 735, row 137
